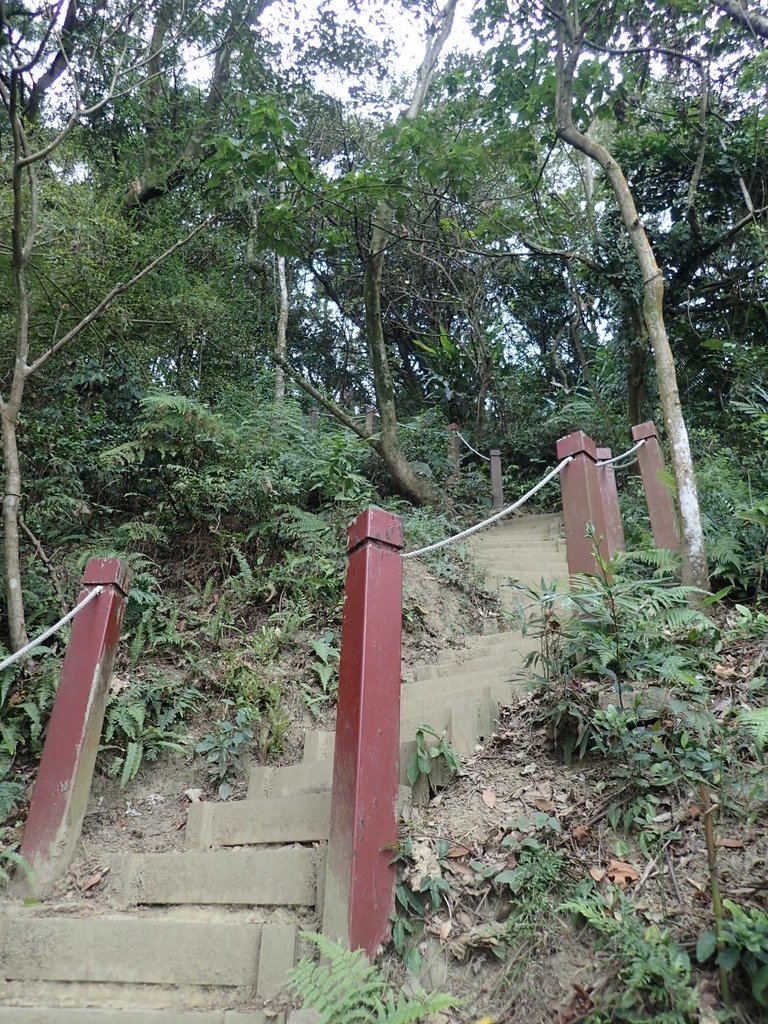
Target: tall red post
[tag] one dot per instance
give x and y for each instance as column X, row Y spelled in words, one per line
column 72, row 742
column 454, row 446
column 657, row 496
column 497, row 487
column 582, row 502
column 371, row 420
column 614, row 528
column 360, row 880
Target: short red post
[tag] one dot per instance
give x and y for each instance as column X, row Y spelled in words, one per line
column 371, row 420
column 72, row 742
column 360, row 880
column 497, row 487
column 657, row 496
column 582, row 502
column 454, row 446
column 614, row 528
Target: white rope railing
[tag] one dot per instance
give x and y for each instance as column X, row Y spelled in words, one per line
column 476, row 452
column 49, row 632
column 494, row 518
column 624, row 455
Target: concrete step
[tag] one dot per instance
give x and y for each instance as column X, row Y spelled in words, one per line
column 288, row 819
column 282, row 875
column 499, row 661
column 455, row 679
column 290, row 780
column 135, row 950
column 318, row 745
column 65, row 1015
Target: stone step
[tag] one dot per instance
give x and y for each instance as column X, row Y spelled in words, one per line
column 67, row 1015
column 147, row 951
column 288, row 819
column 290, row 780
column 500, row 661
column 318, row 745
column 282, row 875
column 454, row 679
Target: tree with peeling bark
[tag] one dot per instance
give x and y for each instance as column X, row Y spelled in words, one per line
column 571, row 44
column 30, row 68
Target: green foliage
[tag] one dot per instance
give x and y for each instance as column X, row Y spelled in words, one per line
column 434, row 759
column 652, row 979
column 326, row 670
column 743, row 945
column 145, row 719
column 225, row 747
column 756, row 723
column 624, row 664
column 247, row 688
column 26, row 699
column 345, row 987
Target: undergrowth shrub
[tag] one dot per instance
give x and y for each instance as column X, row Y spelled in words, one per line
column 624, row 673
column 651, row 974
column 344, row 987
column 145, row 717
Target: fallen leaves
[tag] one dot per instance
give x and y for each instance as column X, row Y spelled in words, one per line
column 618, row 872
column 489, row 798
column 93, row 880
column 425, row 865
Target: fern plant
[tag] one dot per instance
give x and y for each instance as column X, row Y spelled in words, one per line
column 145, row 720
column 345, row 988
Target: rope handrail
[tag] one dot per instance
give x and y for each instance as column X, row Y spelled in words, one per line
column 466, row 442
column 49, row 632
column 494, row 518
column 624, row 455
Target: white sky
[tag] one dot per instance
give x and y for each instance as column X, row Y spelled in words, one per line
column 281, row 21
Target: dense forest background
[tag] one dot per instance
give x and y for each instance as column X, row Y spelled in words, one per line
column 229, row 228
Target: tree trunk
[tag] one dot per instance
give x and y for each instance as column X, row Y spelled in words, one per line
column 407, row 481
column 695, row 571
column 11, row 537
column 281, row 342
column 637, row 354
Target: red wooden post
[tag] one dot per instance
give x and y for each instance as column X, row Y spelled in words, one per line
column 497, row 488
column 657, row 497
column 614, row 528
column 360, row 880
column 582, row 502
column 454, row 446
column 371, row 420
column 72, row 742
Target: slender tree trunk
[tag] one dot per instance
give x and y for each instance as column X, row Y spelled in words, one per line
column 637, row 355
column 281, row 341
column 11, row 537
column 407, row 481
column 695, row 571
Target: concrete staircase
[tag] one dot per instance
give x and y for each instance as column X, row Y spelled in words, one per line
column 207, row 935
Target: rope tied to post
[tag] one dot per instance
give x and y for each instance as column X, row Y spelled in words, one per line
column 474, row 450
column 494, row 518
column 11, row 659
column 624, row 455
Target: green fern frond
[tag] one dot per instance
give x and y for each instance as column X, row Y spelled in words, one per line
column 756, row 722
column 345, row 988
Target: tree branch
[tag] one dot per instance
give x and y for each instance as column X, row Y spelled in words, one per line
column 327, row 403
column 756, row 23
column 107, row 301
